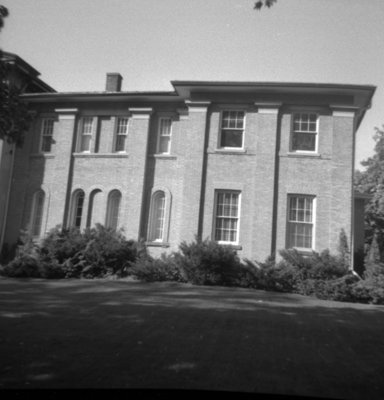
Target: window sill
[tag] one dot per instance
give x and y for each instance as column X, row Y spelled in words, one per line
column 231, row 246
column 303, row 252
column 42, row 155
column 303, row 155
column 100, row 155
column 231, row 151
column 157, row 244
column 163, row 156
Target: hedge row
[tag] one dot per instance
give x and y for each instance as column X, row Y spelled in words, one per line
column 100, row 252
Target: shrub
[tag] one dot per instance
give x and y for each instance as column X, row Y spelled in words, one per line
column 96, row 252
column 205, row 262
column 26, row 262
column 157, row 270
column 369, row 290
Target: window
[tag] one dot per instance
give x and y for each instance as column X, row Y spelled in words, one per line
column 157, row 217
column 113, row 208
column 300, row 222
column 46, row 135
column 121, row 134
column 164, row 138
column 304, row 132
column 227, row 216
column 232, row 129
column 77, row 208
column 37, row 212
column 86, row 132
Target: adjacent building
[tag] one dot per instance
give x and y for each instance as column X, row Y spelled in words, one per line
column 258, row 166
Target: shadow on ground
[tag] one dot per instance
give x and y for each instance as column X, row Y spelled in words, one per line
column 122, row 334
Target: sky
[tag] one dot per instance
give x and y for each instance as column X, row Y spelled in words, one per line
column 74, row 43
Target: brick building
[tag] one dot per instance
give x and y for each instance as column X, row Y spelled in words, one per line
column 257, row 166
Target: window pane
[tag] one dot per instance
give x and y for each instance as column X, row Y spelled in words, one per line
column 37, row 215
column 46, row 144
column 164, row 144
column 158, row 217
column 47, row 133
column 304, row 141
column 165, row 126
column 85, row 143
column 113, row 210
column 231, row 138
column 227, row 211
column 122, row 126
column 78, row 209
column 87, row 125
column 300, row 222
column 120, row 143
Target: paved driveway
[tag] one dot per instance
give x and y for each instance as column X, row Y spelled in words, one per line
column 121, row 334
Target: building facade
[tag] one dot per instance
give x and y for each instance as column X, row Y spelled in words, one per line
column 255, row 166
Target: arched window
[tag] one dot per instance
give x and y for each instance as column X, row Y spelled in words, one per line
column 157, row 217
column 95, row 208
column 37, row 212
column 113, row 208
column 77, row 208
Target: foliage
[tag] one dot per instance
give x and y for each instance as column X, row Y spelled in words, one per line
column 15, row 118
column 3, row 13
column 157, row 270
column 26, row 262
column 264, row 3
column 69, row 253
column 95, row 252
column 205, row 262
column 371, row 181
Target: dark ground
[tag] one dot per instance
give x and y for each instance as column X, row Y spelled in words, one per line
column 121, row 334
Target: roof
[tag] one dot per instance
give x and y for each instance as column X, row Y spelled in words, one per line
column 356, row 97
column 26, row 70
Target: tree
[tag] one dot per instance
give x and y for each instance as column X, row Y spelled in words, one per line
column 264, row 3
column 14, row 116
column 371, row 181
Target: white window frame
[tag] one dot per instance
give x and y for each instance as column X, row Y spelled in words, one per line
column 120, row 134
column 312, row 222
column 47, row 128
column 232, row 148
column 161, row 135
column 37, row 213
column 74, row 207
column 293, row 131
column 216, row 216
column 82, row 134
column 112, row 215
column 153, row 218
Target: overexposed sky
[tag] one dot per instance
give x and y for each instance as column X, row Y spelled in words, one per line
column 74, row 43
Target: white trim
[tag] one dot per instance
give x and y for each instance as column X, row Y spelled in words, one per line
column 347, row 114
column 159, row 135
column 309, row 152
column 34, row 209
column 115, row 134
column 140, row 113
column 229, row 148
column 109, row 209
column 197, row 106
column 92, row 134
column 216, row 193
column 42, row 126
column 313, row 222
column 66, row 113
column 152, row 222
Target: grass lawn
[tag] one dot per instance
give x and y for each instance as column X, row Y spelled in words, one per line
column 121, row 334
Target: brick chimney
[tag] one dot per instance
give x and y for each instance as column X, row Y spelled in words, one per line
column 113, row 82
